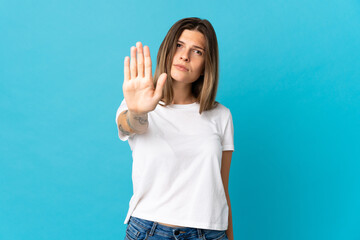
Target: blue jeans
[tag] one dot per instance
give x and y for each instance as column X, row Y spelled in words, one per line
column 141, row 229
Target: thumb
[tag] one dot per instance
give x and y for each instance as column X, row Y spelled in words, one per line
column 160, row 86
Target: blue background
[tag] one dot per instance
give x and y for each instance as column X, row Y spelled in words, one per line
column 289, row 72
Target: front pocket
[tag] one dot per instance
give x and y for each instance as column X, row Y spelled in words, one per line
column 214, row 235
column 128, row 237
column 131, row 232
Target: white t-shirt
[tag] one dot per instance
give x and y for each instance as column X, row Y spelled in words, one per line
column 176, row 166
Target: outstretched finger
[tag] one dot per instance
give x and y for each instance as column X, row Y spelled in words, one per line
column 140, row 59
column 148, row 70
column 133, row 62
column 126, row 69
column 160, row 86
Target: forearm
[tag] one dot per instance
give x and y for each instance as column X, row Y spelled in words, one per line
column 129, row 122
column 229, row 231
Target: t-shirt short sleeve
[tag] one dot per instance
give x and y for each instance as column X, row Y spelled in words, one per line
column 228, row 134
column 122, row 108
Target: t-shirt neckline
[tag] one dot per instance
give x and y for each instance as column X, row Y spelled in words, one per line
column 182, row 106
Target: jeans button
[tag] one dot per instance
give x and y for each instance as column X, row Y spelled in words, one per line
column 176, row 232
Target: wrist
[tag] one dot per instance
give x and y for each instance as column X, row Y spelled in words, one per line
column 137, row 114
column 137, row 121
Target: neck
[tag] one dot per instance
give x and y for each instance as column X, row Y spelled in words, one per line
column 182, row 93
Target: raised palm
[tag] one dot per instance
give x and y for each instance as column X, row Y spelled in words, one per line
column 139, row 92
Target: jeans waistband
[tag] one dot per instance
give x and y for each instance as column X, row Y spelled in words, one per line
column 166, row 230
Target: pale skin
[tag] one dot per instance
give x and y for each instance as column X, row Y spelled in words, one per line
column 141, row 97
column 139, row 92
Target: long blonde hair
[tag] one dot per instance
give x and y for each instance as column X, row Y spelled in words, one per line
column 205, row 87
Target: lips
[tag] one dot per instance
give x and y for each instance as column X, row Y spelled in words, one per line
column 181, row 67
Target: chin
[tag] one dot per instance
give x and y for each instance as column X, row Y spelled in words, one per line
column 180, row 77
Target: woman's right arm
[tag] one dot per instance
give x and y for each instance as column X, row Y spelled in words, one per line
column 129, row 122
column 140, row 95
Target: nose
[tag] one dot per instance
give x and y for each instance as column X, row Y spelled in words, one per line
column 184, row 55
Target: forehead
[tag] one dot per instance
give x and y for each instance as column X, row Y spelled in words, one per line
column 192, row 37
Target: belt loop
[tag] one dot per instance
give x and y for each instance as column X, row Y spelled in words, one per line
column 200, row 232
column 153, row 228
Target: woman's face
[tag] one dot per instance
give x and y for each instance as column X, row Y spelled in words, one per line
column 189, row 58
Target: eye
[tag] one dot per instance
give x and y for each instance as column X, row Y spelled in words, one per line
column 198, row 52
column 178, row 45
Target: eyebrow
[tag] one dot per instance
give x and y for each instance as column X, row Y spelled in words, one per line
column 193, row 45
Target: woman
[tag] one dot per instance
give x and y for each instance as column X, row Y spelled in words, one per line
column 181, row 138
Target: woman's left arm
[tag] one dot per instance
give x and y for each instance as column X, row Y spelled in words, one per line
column 225, row 171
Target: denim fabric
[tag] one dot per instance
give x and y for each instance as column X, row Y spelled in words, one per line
column 141, row 229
